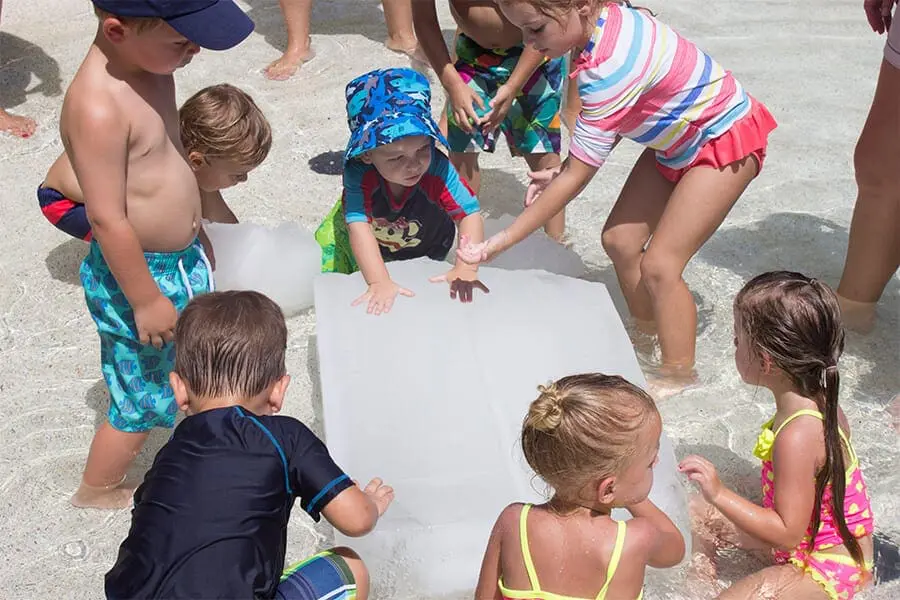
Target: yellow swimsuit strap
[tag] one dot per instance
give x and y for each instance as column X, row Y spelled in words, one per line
column 818, row 415
column 614, row 559
column 526, row 553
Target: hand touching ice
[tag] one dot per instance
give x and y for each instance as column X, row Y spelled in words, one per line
column 380, row 494
column 463, row 280
column 381, row 296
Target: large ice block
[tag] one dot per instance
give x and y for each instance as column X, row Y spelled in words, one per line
column 431, row 398
column 280, row 263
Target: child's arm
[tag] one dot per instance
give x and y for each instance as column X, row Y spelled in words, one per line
column 215, row 209
column 382, row 290
column 664, row 543
column 795, row 470
column 500, row 104
column 95, row 136
column 488, row 587
column 355, row 512
column 461, row 96
column 573, row 176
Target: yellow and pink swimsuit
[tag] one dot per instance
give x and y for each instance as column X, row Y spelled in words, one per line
column 838, row 574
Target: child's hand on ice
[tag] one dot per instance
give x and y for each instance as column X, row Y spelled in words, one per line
column 539, row 182
column 381, row 296
column 500, row 105
column 381, row 495
column 475, row 254
column 155, row 321
column 703, row 473
column 463, row 280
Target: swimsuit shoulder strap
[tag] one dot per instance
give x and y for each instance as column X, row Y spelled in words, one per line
column 800, row 413
column 818, row 415
column 614, row 558
column 526, row 553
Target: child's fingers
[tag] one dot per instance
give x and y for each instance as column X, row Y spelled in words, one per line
column 361, row 299
column 406, row 292
column 438, row 278
column 373, row 485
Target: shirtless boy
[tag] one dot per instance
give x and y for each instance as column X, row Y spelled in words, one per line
column 119, row 125
column 495, row 83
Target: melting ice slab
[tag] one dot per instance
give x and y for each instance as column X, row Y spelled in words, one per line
column 431, row 398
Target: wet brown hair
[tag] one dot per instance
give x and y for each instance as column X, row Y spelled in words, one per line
column 584, row 428
column 139, row 24
column 230, row 344
column 796, row 321
column 223, row 121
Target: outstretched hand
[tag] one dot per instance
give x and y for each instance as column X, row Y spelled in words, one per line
column 381, row 296
column 475, row 254
column 463, row 283
column 704, row 474
column 380, row 494
column 539, row 182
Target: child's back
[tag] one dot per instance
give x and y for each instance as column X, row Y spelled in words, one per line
column 211, row 518
column 220, row 492
column 580, row 555
column 594, row 439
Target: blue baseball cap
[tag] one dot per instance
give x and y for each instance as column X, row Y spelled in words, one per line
column 385, row 105
column 211, row 24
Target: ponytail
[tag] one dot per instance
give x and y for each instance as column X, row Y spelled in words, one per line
column 834, row 470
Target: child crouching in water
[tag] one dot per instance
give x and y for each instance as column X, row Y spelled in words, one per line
column 594, row 439
column 816, row 514
column 402, row 198
column 225, row 136
column 210, row 519
column 706, row 140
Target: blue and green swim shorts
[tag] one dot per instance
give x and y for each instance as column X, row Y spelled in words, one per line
column 532, row 125
column 325, row 576
column 137, row 375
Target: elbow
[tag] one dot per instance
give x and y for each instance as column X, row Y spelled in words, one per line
column 360, row 525
column 790, row 539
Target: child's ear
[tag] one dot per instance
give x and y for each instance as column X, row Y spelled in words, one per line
column 114, row 30
column 606, row 490
column 276, row 396
column 196, row 160
column 766, row 361
column 366, row 158
column 179, row 388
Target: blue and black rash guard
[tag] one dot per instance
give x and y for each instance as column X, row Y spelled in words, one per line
column 210, row 519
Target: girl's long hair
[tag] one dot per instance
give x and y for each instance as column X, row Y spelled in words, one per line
column 796, row 321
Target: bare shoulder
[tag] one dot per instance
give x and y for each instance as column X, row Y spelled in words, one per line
column 509, row 516
column 640, row 537
column 91, row 107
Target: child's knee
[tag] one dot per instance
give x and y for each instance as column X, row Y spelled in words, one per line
column 622, row 245
column 357, row 567
column 873, row 172
column 659, row 270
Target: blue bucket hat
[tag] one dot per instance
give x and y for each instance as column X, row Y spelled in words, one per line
column 211, row 24
column 385, row 105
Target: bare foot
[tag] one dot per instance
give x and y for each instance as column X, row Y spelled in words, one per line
column 671, row 381
column 407, row 46
column 107, row 497
column 22, row 127
column 857, row 316
column 289, row 63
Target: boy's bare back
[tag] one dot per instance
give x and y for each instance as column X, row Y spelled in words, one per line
column 121, row 134
column 482, row 21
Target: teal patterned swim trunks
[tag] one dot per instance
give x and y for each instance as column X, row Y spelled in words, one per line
column 137, row 375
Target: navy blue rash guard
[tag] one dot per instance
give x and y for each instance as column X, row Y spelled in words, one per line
column 210, row 519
